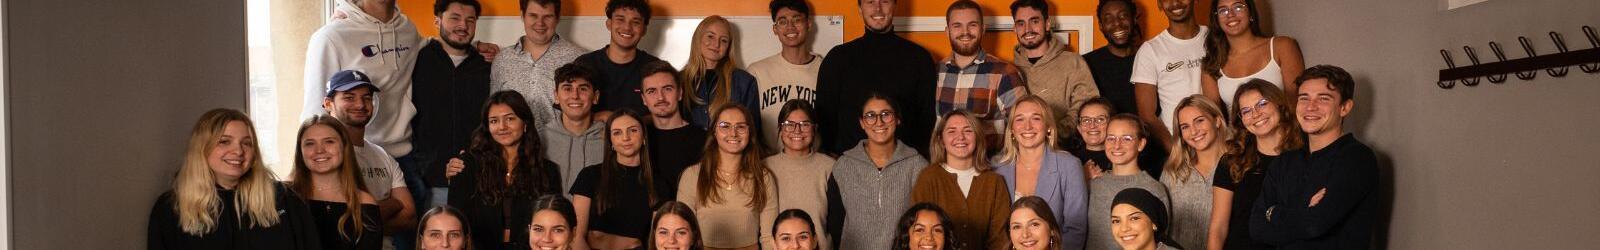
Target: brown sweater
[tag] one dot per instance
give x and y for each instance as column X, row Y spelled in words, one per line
column 980, row 217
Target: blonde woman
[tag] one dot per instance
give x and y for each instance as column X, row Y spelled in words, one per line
column 710, row 74
column 223, row 197
column 326, row 174
column 959, row 178
column 1201, row 140
column 1033, row 167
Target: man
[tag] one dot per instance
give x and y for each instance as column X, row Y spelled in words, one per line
column 349, row 99
column 972, row 80
column 574, row 140
column 1322, row 196
column 792, row 73
column 674, row 145
column 1051, row 69
column 1167, row 68
column 529, row 65
column 617, row 65
column 374, row 38
column 1112, row 64
column 451, row 82
column 878, row 61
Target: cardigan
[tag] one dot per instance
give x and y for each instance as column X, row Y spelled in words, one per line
column 979, row 217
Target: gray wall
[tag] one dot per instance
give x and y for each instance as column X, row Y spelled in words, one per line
column 102, row 95
column 1507, row 166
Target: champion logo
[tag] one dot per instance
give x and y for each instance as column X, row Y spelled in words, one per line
column 373, row 50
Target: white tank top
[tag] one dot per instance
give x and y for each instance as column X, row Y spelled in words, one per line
column 1272, row 73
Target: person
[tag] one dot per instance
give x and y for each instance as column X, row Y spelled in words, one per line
column 1167, row 69
column 804, row 171
column 731, row 188
column 618, row 65
column 443, row 228
column 223, row 197
column 1090, row 141
column 1030, row 223
column 325, row 170
column 924, row 226
column 552, row 223
column 1190, row 169
column 660, row 91
column 1052, row 70
column 1112, row 65
column 1124, row 140
column 349, row 100
column 503, row 172
column 1032, row 167
column 795, row 230
column 972, row 80
column 710, row 73
column 1271, row 131
column 529, row 66
column 877, row 62
column 674, row 227
column 1236, row 47
column 614, row 196
column 959, row 177
column 872, row 182
column 1325, row 194
column 449, row 84
column 1139, row 219
column 789, row 75
column 574, row 140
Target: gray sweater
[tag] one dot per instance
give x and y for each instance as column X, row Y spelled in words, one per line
column 572, row 152
column 1190, row 205
column 1101, row 190
column 873, row 199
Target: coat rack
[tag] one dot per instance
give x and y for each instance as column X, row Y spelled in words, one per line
column 1527, row 68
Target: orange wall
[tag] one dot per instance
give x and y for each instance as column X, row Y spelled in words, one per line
column 997, row 43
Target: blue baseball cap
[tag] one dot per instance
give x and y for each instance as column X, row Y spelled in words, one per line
column 346, row 80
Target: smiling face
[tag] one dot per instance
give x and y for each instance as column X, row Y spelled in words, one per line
column 714, row 43
column 1260, row 116
column 958, row 137
column 964, row 28
column 457, row 25
column 797, row 132
column 732, row 131
column 1131, row 228
column 1320, row 109
column 660, row 94
column 1177, row 11
column 627, row 27
column 1198, row 129
column 1123, row 142
column 549, row 231
column 792, row 28
column 927, row 233
column 673, row 233
column 1116, row 24
column 353, row 107
column 1234, row 16
column 1029, row 231
column 878, row 14
column 321, row 147
column 505, row 126
column 1031, row 27
column 1028, row 125
column 442, row 232
column 539, row 22
column 795, row 234
column 576, row 97
column 879, row 120
column 1092, row 125
column 232, row 153
column 626, row 137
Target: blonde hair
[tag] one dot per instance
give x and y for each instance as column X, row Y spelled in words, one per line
column 694, row 71
column 1183, row 155
column 979, row 146
column 1012, row 149
column 195, row 192
column 300, row 176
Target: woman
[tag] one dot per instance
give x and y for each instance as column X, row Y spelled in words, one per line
column 1238, row 51
column 1125, row 140
column 731, row 188
column 325, row 170
column 613, row 197
column 552, row 224
column 443, row 228
column 1032, row 168
column 1272, row 130
column 795, row 230
column 1139, row 220
column 1030, row 225
column 959, row 178
column 1090, row 142
column 803, row 170
column 1202, row 133
column 710, row 73
column 504, row 172
column 674, row 227
column 924, row 226
column 872, row 179
column 223, row 197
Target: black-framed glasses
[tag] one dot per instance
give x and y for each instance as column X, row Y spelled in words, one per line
column 1237, row 8
column 1247, row 110
column 738, row 128
column 795, row 126
column 877, row 117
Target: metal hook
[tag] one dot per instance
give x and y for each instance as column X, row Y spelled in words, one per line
column 1561, row 46
column 1452, row 64
column 1595, row 42
column 1528, row 48
column 1473, row 55
column 1501, row 78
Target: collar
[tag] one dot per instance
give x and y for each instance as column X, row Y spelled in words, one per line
column 979, row 58
column 517, row 48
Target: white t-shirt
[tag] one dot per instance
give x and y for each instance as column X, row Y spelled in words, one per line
column 778, row 81
column 1173, row 65
column 380, row 172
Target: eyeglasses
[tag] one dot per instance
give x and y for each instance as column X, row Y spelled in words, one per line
column 795, row 126
column 1097, row 120
column 1228, row 11
column 1247, row 110
column 728, row 127
column 790, row 22
column 1115, row 139
column 877, row 117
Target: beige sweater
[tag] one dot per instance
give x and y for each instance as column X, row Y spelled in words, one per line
column 803, row 184
column 1061, row 77
column 730, row 223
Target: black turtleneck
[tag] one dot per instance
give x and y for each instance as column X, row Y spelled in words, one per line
column 880, row 62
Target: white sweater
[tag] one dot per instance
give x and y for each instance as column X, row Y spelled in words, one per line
column 386, row 52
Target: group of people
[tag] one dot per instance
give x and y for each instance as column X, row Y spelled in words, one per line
column 449, row 143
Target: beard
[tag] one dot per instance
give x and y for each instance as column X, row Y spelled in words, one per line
column 1033, row 45
column 965, row 50
column 445, row 35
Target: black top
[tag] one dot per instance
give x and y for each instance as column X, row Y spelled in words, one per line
column 618, row 83
column 671, row 152
column 490, row 220
column 1151, row 161
column 1344, row 218
column 449, row 102
column 626, row 208
column 877, row 62
column 1111, row 74
column 1245, row 192
column 295, row 229
column 327, row 215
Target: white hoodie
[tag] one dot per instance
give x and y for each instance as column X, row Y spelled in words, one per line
column 386, row 52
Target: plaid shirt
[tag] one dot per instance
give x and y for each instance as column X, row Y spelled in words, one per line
column 985, row 88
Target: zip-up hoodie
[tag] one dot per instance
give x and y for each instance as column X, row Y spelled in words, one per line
column 866, row 201
column 385, row 51
column 572, row 152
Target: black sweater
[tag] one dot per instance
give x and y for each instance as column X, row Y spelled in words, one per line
column 489, row 221
column 295, row 229
column 617, row 83
column 1343, row 219
column 877, row 62
column 449, row 102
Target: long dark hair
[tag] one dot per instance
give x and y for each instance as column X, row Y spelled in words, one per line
column 752, row 166
column 466, row 228
column 676, row 208
column 1217, row 46
column 1243, row 156
column 902, row 237
column 610, row 170
column 528, row 181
